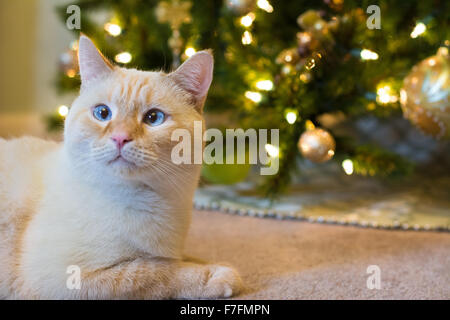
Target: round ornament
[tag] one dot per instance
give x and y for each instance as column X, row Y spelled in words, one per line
column 317, row 145
column 425, row 95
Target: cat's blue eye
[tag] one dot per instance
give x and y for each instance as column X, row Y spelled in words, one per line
column 154, row 117
column 102, row 113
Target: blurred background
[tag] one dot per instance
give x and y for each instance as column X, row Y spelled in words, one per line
column 356, row 88
column 32, row 38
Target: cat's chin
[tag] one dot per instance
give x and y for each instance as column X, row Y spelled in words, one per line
column 122, row 167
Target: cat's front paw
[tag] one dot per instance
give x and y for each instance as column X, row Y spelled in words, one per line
column 222, row 282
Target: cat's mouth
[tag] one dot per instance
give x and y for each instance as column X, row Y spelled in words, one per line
column 121, row 160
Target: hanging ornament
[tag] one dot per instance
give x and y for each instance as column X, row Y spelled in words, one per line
column 68, row 63
column 228, row 172
column 174, row 12
column 317, row 145
column 425, row 95
column 240, row 6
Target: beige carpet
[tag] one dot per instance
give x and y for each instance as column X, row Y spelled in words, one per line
column 300, row 260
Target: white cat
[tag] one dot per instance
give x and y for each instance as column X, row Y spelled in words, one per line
column 108, row 200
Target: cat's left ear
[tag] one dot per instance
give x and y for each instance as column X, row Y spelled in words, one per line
column 195, row 76
column 93, row 64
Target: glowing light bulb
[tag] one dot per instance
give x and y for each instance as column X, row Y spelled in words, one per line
column 305, row 77
column 71, row 73
column 264, row 85
column 291, row 117
column 254, row 96
column 368, row 55
column 247, row 20
column 304, row 37
column 265, row 5
column 123, row 57
column 418, row 30
column 247, row 38
column 189, row 51
column 63, row 111
column 385, row 95
column 272, row 150
column 347, row 165
column 113, row 29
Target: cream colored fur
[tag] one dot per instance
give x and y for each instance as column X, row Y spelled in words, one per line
column 123, row 225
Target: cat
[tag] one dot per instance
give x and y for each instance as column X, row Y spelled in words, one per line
column 107, row 206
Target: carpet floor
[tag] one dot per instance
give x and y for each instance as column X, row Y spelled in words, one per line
column 282, row 259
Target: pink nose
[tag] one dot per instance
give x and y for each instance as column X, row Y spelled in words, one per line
column 120, row 140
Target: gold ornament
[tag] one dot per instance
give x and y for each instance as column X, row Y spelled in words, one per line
column 425, row 95
column 175, row 13
column 317, row 145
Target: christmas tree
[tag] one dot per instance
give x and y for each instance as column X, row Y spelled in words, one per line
column 287, row 64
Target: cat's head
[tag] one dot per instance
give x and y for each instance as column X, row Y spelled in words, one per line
column 121, row 123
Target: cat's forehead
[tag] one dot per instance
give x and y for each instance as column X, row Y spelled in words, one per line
column 135, row 88
column 130, row 85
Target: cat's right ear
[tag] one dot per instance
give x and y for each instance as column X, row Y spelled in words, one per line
column 93, row 64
